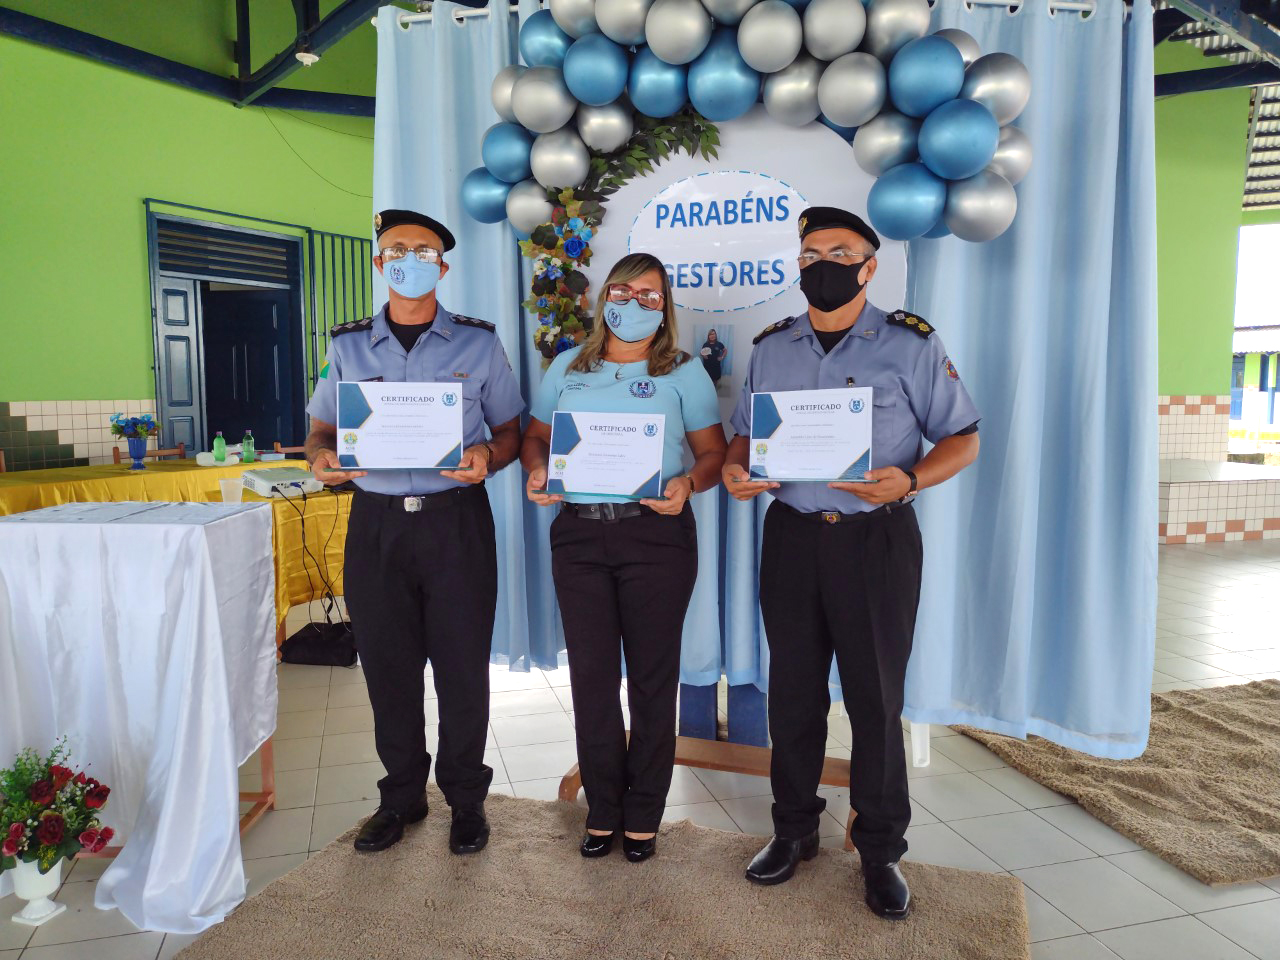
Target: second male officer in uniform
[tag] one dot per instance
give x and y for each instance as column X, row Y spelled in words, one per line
column 840, row 562
column 421, row 569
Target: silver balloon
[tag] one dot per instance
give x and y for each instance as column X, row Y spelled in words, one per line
column 1013, row 155
column 892, row 24
column 980, row 208
column 541, row 101
column 1001, row 83
column 852, row 89
column 677, row 30
column 968, row 47
column 791, row 94
column 728, row 11
column 770, row 36
column 528, row 206
column 560, row 159
column 622, row 21
column 577, row 18
column 885, row 142
column 500, row 91
column 606, row 128
column 833, row 28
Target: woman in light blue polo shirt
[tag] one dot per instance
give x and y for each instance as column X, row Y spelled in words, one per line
column 624, row 571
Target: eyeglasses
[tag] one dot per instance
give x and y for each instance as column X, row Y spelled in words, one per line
column 648, row 299
column 839, row 255
column 400, row 251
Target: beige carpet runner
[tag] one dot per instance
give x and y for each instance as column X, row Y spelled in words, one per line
column 1205, row 795
column 531, row 896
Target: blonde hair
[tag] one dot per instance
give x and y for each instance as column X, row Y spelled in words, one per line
column 664, row 352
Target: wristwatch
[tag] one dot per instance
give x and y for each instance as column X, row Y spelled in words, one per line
column 910, row 494
column 489, row 461
column 693, row 486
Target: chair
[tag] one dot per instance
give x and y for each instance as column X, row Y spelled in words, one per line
column 280, row 449
column 180, row 451
column 1, row 461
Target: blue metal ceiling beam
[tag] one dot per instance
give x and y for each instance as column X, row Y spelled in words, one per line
column 1216, row 78
column 1251, row 30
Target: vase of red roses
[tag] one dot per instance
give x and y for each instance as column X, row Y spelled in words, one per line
column 48, row 813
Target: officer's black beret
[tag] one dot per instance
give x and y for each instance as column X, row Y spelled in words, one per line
column 825, row 218
column 384, row 221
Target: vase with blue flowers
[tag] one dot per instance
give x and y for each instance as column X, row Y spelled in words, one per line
column 136, row 430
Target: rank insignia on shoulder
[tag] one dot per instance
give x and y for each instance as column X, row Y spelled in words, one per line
column 459, row 375
column 351, row 326
column 900, row 318
column 473, row 322
column 774, row 328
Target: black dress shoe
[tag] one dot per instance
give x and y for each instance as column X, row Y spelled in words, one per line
column 594, row 845
column 469, row 831
column 887, row 892
column 386, row 827
column 638, row 851
column 777, row 861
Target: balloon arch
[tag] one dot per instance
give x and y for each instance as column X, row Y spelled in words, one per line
column 612, row 87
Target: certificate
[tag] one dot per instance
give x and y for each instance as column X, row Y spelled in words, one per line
column 399, row 426
column 811, row 435
column 617, row 454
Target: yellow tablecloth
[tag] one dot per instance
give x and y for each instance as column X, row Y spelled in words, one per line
column 299, row 577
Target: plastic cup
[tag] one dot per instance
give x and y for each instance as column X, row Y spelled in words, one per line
column 232, row 489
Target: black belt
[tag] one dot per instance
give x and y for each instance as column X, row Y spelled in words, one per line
column 608, row 512
column 834, row 516
column 427, row 501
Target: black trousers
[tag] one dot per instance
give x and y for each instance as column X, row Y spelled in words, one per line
column 624, row 586
column 851, row 589
column 422, row 588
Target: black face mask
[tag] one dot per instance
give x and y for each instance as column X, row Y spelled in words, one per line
column 828, row 285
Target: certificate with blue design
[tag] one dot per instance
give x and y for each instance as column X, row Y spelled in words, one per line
column 399, row 426
column 611, row 454
column 811, row 435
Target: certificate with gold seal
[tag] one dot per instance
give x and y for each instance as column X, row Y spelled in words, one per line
column 612, row 454
column 811, row 435
column 399, row 426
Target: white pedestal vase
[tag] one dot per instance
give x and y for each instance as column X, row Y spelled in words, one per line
column 37, row 889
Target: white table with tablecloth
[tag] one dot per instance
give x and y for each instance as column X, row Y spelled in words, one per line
column 145, row 633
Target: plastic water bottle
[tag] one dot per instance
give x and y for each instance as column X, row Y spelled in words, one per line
column 246, row 447
column 219, row 448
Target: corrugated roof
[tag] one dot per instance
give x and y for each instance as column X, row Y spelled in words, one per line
column 1256, row 340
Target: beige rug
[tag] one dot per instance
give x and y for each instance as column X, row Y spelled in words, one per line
column 1206, row 793
column 531, row 896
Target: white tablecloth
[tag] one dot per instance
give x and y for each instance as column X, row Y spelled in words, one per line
column 145, row 632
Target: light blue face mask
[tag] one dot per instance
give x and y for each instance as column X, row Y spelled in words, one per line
column 631, row 322
column 410, row 277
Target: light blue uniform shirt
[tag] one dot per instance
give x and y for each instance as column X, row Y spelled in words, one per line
column 456, row 350
column 916, row 392
column 686, row 396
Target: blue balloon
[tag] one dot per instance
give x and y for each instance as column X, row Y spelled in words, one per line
column 657, row 89
column 958, row 139
column 542, row 42
column 906, row 201
column 595, row 70
column 721, row 85
column 505, row 152
column 799, row 4
column 484, row 196
column 939, row 231
column 846, row 132
column 924, row 75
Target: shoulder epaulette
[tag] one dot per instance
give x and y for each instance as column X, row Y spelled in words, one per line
column 773, row 328
column 900, row 318
column 473, row 322
column 351, row 326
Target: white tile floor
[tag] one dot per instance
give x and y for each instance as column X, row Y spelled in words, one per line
column 1091, row 893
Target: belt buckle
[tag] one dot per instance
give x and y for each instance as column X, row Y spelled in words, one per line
column 609, row 512
column 412, row 504
column 830, row 516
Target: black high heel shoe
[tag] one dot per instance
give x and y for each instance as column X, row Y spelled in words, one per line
column 597, row 846
column 639, row 850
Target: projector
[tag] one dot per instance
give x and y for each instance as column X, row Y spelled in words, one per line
column 281, row 482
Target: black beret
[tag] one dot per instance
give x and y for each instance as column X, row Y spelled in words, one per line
column 384, row 221
column 825, row 218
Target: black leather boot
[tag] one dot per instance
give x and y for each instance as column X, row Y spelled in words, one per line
column 386, row 827
column 887, row 891
column 777, row 861
column 594, row 845
column 469, row 831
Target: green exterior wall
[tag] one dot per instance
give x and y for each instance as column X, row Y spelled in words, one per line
column 83, row 145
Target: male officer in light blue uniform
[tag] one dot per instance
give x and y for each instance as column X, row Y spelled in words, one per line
column 421, row 570
column 840, row 562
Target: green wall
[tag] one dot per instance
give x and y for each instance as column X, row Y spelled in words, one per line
column 1200, row 161
column 82, row 145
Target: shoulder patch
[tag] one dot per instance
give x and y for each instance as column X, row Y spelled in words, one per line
column 900, row 318
column 473, row 322
column 774, row 328
column 351, row 326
